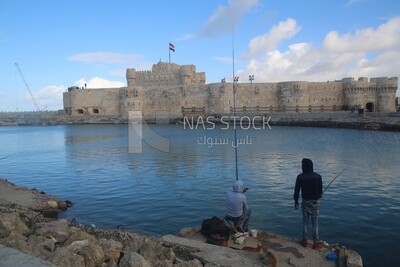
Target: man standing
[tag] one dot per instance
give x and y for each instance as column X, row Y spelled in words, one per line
column 237, row 209
column 310, row 184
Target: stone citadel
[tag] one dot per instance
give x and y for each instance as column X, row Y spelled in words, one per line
column 176, row 91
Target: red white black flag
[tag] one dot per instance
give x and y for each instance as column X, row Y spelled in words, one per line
column 171, row 47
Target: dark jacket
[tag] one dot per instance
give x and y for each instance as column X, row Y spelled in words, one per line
column 309, row 182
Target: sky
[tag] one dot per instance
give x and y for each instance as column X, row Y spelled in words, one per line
column 62, row 43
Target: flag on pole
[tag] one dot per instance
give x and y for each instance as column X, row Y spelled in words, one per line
column 171, row 47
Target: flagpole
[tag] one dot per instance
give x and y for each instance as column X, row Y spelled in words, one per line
column 169, row 50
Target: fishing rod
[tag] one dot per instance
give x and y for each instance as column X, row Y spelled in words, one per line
column 234, row 81
column 333, row 181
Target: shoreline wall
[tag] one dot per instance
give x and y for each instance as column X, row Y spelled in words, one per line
column 348, row 120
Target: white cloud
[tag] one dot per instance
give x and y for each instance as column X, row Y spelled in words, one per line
column 51, row 97
column 270, row 40
column 385, row 37
column 106, row 57
column 98, row 82
column 221, row 20
column 47, row 98
column 367, row 52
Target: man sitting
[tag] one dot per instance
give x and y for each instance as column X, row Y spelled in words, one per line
column 237, row 209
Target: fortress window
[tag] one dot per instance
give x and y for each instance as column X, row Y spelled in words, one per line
column 79, row 111
column 95, row 111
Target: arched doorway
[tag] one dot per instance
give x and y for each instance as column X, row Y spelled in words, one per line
column 370, row 107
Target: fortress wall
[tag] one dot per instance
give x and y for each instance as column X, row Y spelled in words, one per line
column 310, row 96
column 327, row 94
column 290, row 93
column 217, row 100
column 92, row 101
column 357, row 92
column 168, row 88
column 248, row 96
column 156, row 100
column 266, row 96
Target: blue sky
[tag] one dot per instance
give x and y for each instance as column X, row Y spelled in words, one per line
column 64, row 43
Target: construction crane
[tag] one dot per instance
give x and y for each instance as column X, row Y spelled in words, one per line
column 27, row 87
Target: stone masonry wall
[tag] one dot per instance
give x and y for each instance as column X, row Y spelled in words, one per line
column 173, row 90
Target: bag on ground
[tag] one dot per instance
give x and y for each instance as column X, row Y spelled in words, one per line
column 215, row 230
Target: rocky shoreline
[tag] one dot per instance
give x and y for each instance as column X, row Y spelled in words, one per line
column 69, row 243
column 25, row 227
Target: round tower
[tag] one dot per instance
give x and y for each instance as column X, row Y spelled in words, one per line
column 186, row 72
column 351, row 91
column 385, row 93
column 131, row 77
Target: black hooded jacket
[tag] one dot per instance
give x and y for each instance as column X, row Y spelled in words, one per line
column 309, row 182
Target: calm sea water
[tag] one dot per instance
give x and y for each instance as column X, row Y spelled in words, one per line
column 159, row 193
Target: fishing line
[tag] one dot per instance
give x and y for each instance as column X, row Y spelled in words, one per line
column 333, row 181
column 234, row 80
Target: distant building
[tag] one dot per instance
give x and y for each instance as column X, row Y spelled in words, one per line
column 178, row 90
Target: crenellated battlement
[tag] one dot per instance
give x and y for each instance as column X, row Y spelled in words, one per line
column 165, row 74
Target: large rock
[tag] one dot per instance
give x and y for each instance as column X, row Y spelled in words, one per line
column 18, row 241
column 192, row 263
column 59, row 230
column 91, row 252
column 133, row 243
column 42, row 242
column 154, row 251
column 11, row 222
column 65, row 257
column 112, row 249
column 78, row 235
column 133, row 259
column 79, row 253
column 4, row 231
